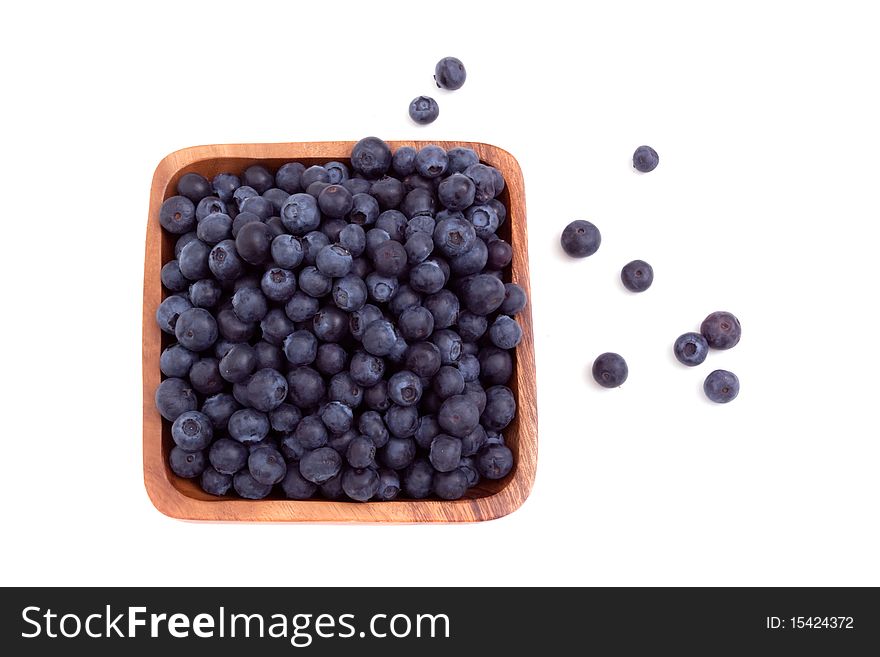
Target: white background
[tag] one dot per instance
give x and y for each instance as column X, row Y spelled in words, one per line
column 765, row 203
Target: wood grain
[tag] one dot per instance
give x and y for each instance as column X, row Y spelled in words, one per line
column 180, row 498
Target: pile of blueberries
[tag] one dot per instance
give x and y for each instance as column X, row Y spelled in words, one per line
column 720, row 330
column 340, row 330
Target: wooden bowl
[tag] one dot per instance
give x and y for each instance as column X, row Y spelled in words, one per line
column 182, row 498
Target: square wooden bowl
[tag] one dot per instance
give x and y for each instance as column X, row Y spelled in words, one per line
column 181, row 498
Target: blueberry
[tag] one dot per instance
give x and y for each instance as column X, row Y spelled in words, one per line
column 426, row 277
column 449, row 345
column 239, row 393
column 335, row 201
column 418, row 479
column 238, row 363
column 340, row 442
column 332, row 488
column 469, row 367
column 177, row 360
column 398, row 453
column 458, row 416
column 371, row 157
column 249, row 304
column 301, row 347
column 449, row 73
column 389, row 258
column 301, row 307
column 450, row 485
column 268, row 356
column 448, row 382
column 353, row 239
column 402, row 421
column 243, row 193
column 300, row 214
column 404, row 161
column 205, row 293
column 192, row 431
column 500, row 408
column 314, row 283
column 169, row 311
column 248, row 426
column 360, row 484
column 313, row 174
column 219, row 408
column 330, row 324
column 267, row 389
column 496, row 366
column 505, row 332
column 259, row 206
column 722, row 330
column 361, row 452
column 497, row 205
column 208, row 206
column 337, row 417
column 418, row 247
column 460, row 159
column 427, row 429
column 381, row 289
column 444, row 308
column 254, row 242
column 468, row 465
column 690, row 349
column 379, row 338
column 311, row 432
column 258, row 177
column 277, row 197
column 337, row 171
column 416, row 323
column 405, row 388
column 371, row 425
column 388, row 192
column 233, row 329
column 320, row 464
column 637, row 276
column 297, row 487
column 420, row 223
column 360, row 319
column 431, row 161
column 275, row 326
column 305, row 387
column 193, row 260
column 423, row 359
column 472, row 261
column 357, row 185
column 214, row 228
column 375, row 237
column 389, row 485
column 223, row 261
column 405, row 298
column 471, row 443
column 278, row 284
column 172, row 278
column 289, row 177
column 454, row 236
column 484, row 219
column 194, row 186
column 331, row 359
column 196, row 329
column 471, row 327
column 248, row 487
column 645, row 159
column 224, row 185
column 349, row 293
column 418, row 202
column 376, row 396
column 494, row 461
column 484, row 181
column 610, row 370
column 580, row 239
column 241, row 220
column 284, row 417
column 215, row 483
column 721, row 386
column 515, row 299
column 445, row 453
column 205, row 378
column 366, row 370
column 267, row 465
column 424, row 110
column 186, row 464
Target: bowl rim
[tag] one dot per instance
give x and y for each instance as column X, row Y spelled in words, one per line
column 171, row 501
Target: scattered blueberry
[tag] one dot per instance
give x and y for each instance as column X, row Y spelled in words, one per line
column 691, row 349
column 645, row 159
column 581, row 239
column 610, row 370
column 722, row 330
column 424, row 110
column 637, row 276
column 721, row 386
column 449, row 73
